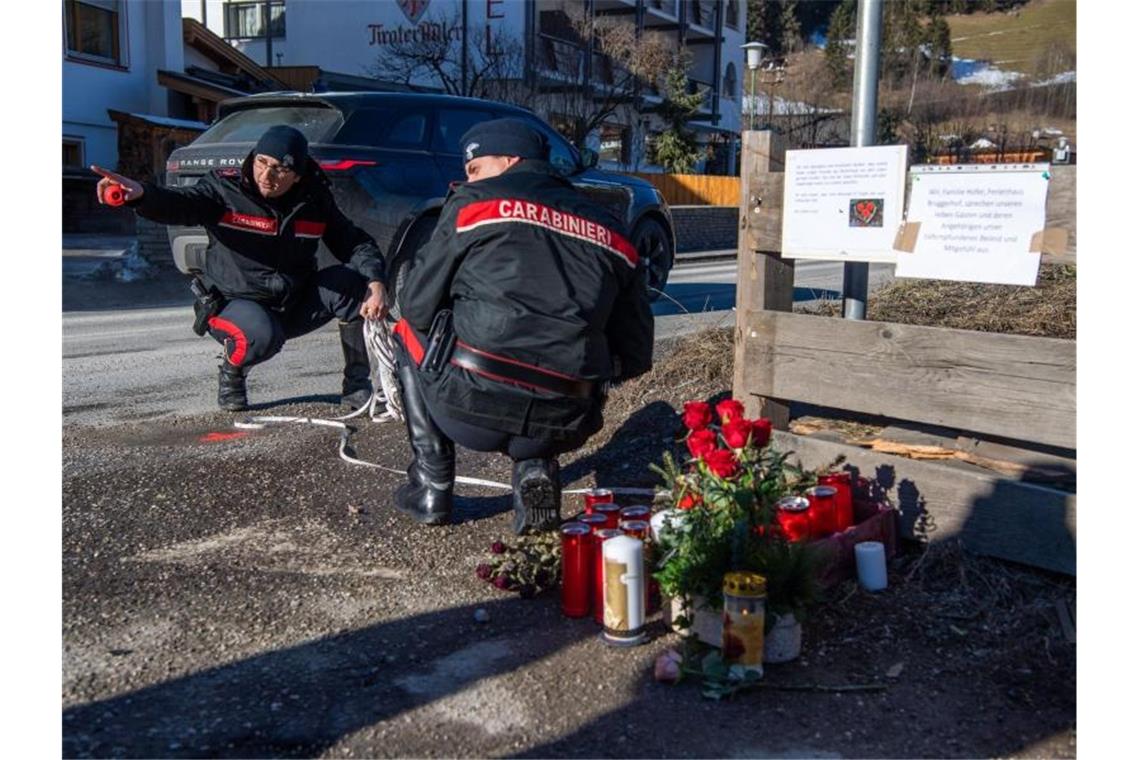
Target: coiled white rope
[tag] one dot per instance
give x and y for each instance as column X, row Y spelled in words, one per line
column 382, row 364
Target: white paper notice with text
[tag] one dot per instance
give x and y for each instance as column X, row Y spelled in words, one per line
column 843, row 204
column 976, row 225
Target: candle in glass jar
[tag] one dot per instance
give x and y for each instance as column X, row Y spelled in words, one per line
column 821, row 510
column 844, row 506
column 635, row 528
column 577, row 569
column 601, row 535
column 611, row 511
column 597, row 496
column 793, row 518
column 636, row 512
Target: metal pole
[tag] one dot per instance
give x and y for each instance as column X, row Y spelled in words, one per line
column 268, row 33
column 463, row 53
column 752, row 110
column 864, row 109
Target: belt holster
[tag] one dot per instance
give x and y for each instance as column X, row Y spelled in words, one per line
column 207, row 303
column 440, row 343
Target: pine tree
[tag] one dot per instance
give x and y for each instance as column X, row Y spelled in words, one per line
column 791, row 36
column 839, row 29
column 676, row 149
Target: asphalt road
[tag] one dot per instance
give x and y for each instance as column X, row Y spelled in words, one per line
column 140, row 361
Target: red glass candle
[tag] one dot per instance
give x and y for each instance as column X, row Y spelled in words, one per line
column 822, row 510
column 844, row 505
column 592, row 521
column 577, row 569
column 601, row 535
column 638, row 529
column 636, row 512
column 611, row 511
column 597, row 496
column 793, row 519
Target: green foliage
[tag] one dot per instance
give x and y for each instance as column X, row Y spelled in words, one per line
column 792, row 572
column 840, row 29
column 915, row 40
column 731, row 528
column 676, row 148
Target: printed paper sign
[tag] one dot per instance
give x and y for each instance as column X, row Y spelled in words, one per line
column 843, row 204
column 976, row 225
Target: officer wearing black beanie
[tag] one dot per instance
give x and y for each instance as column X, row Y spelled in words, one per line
column 525, row 304
column 264, row 225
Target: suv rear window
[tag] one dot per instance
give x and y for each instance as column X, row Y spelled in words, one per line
column 384, row 128
column 248, row 124
column 453, row 124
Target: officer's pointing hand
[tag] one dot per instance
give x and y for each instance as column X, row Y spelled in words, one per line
column 376, row 305
column 132, row 190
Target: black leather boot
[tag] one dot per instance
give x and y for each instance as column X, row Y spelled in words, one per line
column 536, row 487
column 231, row 387
column 356, row 389
column 427, row 496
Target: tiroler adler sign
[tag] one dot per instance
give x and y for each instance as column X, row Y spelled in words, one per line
column 413, row 9
column 428, row 31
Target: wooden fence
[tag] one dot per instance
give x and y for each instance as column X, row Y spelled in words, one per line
column 1008, row 387
column 695, row 189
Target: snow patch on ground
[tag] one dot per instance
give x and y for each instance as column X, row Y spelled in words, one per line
column 988, row 75
column 984, row 73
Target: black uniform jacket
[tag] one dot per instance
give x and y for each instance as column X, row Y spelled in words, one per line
column 262, row 250
column 537, row 274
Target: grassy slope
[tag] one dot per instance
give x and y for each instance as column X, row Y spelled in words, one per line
column 1015, row 42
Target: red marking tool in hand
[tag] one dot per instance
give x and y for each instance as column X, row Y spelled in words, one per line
column 115, row 195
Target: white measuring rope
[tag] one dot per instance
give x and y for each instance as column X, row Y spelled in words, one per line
column 382, row 360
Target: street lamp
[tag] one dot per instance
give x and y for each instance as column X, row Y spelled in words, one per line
column 755, row 53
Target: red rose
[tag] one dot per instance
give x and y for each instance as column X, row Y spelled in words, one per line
column 701, row 442
column 697, row 415
column 721, row 463
column 689, row 500
column 761, row 432
column 729, row 409
column 736, row 433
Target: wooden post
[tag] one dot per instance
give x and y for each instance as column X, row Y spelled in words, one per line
column 763, row 279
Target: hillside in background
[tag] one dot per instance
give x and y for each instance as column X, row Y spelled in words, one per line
column 1022, row 40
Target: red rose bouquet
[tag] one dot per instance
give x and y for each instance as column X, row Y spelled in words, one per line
column 725, row 483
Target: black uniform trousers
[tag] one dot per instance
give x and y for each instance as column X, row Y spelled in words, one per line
column 476, row 438
column 251, row 332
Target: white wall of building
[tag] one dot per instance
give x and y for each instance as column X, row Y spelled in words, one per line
column 152, row 40
column 363, row 31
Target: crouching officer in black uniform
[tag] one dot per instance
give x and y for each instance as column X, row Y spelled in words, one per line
column 261, row 285
column 524, row 304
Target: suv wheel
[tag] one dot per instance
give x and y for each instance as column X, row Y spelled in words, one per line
column 652, row 244
column 417, row 236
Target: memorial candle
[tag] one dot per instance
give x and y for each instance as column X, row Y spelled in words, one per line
column 844, row 505
column 577, row 569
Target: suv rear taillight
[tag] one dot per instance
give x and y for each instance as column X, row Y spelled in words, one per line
column 344, row 164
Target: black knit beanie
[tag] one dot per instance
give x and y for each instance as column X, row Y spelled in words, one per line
column 286, row 144
column 504, row 137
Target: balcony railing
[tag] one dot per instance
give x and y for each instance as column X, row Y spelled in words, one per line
column 665, row 6
column 702, row 13
column 560, row 59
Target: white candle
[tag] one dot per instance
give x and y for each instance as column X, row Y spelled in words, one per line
column 871, row 565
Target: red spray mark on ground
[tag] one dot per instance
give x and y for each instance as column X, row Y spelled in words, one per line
column 217, row 437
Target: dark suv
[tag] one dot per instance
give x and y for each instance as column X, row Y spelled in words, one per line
column 391, row 156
